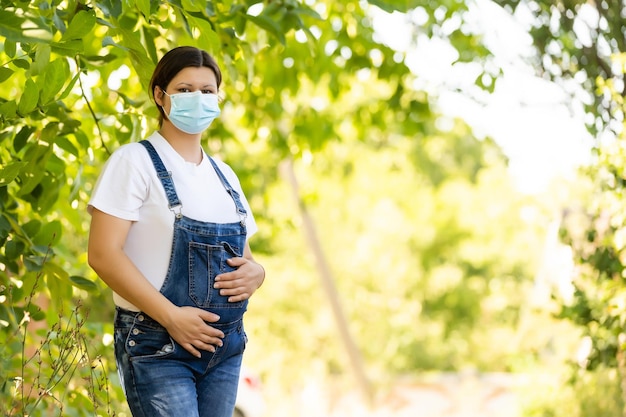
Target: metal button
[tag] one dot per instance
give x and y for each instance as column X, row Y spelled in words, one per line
column 131, row 343
column 141, row 317
column 135, row 331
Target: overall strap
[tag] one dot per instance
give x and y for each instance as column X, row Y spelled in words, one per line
column 165, row 177
column 233, row 194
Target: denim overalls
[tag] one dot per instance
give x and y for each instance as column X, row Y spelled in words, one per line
column 160, row 377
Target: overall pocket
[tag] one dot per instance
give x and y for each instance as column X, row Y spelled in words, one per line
column 148, row 342
column 205, row 263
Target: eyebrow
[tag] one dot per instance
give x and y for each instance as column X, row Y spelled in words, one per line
column 191, row 85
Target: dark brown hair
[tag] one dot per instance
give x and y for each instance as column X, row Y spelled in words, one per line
column 177, row 59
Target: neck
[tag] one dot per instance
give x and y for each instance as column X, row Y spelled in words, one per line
column 187, row 145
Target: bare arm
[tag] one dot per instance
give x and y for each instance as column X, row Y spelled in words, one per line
column 241, row 283
column 187, row 325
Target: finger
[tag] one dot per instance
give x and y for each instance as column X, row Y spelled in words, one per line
column 214, row 336
column 211, row 341
column 210, row 346
column 231, row 284
column 236, row 261
column 232, row 289
column 199, row 345
column 239, row 297
column 208, row 316
column 191, row 349
column 227, row 276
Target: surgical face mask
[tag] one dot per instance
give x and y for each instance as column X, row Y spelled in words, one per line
column 193, row 112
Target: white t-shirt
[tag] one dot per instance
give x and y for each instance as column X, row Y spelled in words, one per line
column 129, row 188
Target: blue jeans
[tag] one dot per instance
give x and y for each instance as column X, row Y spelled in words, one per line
column 163, row 379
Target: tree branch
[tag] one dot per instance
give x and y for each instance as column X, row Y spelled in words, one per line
column 93, row 114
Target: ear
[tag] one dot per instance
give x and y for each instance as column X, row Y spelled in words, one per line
column 158, row 95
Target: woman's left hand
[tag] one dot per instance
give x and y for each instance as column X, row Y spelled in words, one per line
column 240, row 284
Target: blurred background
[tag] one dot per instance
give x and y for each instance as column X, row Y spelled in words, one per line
column 438, row 187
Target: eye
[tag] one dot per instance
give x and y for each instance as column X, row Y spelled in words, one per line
column 208, row 92
column 183, row 90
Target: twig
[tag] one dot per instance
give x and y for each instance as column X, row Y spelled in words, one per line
column 93, row 113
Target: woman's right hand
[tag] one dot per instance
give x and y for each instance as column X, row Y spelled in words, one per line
column 189, row 327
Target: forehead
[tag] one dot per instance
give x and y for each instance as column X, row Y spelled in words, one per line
column 195, row 76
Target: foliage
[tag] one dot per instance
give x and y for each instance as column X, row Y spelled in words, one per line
column 302, row 80
column 433, row 277
column 580, row 395
column 584, row 42
column 46, row 354
column 597, row 236
column 576, row 43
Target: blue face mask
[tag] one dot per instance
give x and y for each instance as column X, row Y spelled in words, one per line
column 193, row 112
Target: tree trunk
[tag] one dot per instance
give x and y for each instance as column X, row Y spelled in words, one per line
column 328, row 284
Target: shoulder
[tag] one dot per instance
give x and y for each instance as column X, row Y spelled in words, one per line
column 223, row 166
column 135, row 151
column 131, row 151
column 130, row 157
column 226, row 169
column 130, row 163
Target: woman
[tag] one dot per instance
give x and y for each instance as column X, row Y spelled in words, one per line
column 169, row 235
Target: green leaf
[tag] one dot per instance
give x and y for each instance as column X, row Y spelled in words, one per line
column 18, row 29
column 486, row 82
column 81, row 24
column 14, row 249
column 395, row 5
column 240, row 24
column 291, row 21
column 9, row 172
column 208, row 39
column 108, row 41
column 81, row 138
column 68, row 48
column 143, row 6
column 150, row 35
column 307, row 11
column 99, row 59
column 83, row 283
column 110, row 8
column 22, row 63
column 32, row 227
column 8, row 110
column 269, row 25
column 54, row 77
column 54, row 270
column 138, row 55
column 128, row 101
column 65, row 144
column 50, row 133
column 58, row 22
column 193, row 5
column 32, row 174
column 10, row 48
column 5, row 227
column 38, row 315
column 22, row 137
column 69, row 88
column 5, row 73
column 49, row 234
column 42, row 59
column 29, row 99
column 59, row 285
